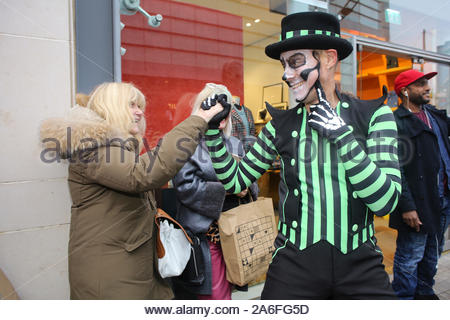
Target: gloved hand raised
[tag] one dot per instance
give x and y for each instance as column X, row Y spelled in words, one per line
column 324, row 118
column 212, row 101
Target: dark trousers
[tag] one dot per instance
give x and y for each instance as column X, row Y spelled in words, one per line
column 415, row 264
column 323, row 272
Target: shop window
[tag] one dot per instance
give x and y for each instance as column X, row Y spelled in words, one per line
column 94, row 41
column 376, row 70
column 391, row 62
column 194, row 45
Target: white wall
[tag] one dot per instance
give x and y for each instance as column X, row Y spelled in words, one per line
column 36, row 82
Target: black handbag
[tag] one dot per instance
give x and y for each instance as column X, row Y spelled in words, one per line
column 194, row 273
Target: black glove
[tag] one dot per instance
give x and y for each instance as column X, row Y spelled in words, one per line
column 211, row 101
column 324, row 118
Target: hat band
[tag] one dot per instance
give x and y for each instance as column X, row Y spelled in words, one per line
column 301, row 33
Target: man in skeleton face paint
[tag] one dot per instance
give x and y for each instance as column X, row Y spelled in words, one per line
column 301, row 71
column 339, row 169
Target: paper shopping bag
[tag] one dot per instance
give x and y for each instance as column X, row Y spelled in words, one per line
column 247, row 235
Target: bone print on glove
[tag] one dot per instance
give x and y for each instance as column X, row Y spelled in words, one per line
column 211, row 101
column 324, row 118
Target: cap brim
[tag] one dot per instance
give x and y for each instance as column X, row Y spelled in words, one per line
column 427, row 76
column 321, row 42
column 430, row 75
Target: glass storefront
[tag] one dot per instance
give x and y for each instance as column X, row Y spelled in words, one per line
column 223, row 41
column 421, row 24
column 415, row 23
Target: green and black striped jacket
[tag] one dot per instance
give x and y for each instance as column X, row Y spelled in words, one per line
column 328, row 190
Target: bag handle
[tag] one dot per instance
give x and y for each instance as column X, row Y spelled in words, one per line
column 249, row 196
column 161, row 214
column 238, row 159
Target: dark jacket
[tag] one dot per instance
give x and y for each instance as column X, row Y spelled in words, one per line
column 201, row 199
column 419, row 158
column 358, row 219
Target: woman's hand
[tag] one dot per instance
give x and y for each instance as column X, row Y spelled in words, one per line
column 212, row 101
column 242, row 194
column 207, row 115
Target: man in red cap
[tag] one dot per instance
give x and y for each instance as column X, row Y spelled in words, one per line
column 422, row 213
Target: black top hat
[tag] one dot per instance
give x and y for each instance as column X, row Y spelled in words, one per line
column 310, row 30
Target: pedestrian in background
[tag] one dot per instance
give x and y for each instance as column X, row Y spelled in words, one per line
column 423, row 210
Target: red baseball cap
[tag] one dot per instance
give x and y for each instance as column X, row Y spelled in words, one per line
column 407, row 77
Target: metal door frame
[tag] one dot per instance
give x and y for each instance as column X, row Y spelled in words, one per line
column 384, row 47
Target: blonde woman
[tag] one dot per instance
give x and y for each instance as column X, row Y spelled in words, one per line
column 112, row 242
column 200, row 200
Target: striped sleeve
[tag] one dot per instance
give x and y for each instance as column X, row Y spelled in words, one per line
column 375, row 175
column 237, row 176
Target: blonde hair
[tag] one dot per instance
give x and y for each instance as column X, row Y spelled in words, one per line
column 210, row 89
column 81, row 99
column 112, row 100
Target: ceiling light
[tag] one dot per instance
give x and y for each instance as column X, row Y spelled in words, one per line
column 248, row 24
column 257, row 20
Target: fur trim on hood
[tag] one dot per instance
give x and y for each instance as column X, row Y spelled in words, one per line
column 82, row 129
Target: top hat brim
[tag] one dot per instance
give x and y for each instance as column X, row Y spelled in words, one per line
column 321, row 42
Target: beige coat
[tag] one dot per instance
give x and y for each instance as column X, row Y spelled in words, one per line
column 112, row 237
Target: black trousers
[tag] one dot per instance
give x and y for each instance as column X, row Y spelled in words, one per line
column 323, row 272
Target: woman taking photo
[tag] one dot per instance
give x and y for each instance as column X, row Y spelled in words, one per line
column 112, row 242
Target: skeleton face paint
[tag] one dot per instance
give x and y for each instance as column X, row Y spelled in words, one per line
column 300, row 72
